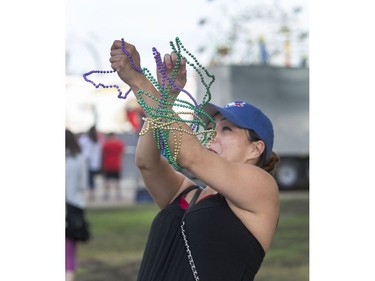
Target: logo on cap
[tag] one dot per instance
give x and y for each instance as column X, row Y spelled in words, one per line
column 235, row 104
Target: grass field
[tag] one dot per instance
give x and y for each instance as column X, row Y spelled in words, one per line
column 119, row 236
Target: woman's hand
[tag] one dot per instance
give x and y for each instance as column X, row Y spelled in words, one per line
column 121, row 63
column 169, row 63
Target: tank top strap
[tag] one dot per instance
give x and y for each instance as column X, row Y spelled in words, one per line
column 193, row 201
column 187, row 190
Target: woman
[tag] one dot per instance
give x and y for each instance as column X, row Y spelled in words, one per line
column 226, row 233
column 75, row 183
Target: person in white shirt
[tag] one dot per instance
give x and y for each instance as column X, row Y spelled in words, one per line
column 92, row 150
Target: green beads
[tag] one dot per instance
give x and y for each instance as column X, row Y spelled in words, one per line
column 165, row 122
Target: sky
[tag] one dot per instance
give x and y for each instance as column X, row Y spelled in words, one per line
column 92, row 26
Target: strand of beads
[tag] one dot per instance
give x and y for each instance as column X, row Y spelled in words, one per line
column 207, row 97
column 159, row 125
column 164, row 121
column 129, row 56
column 167, row 111
column 166, row 96
column 168, row 114
column 97, row 85
column 171, row 79
column 161, row 134
column 164, row 91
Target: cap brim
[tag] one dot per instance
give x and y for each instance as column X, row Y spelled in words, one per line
column 211, row 110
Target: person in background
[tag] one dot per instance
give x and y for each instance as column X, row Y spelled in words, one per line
column 92, row 150
column 113, row 150
column 134, row 114
column 75, row 184
column 223, row 230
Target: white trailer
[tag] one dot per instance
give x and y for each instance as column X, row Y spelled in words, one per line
column 283, row 94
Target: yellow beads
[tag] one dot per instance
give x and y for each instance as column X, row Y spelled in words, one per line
column 175, row 127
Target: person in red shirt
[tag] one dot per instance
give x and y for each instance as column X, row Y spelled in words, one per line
column 113, row 149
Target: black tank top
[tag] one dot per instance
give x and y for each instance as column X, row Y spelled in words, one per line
column 223, row 249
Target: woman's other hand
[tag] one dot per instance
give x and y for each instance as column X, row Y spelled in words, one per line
column 169, row 63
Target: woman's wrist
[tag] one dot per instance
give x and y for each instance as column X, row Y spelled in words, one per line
column 138, row 82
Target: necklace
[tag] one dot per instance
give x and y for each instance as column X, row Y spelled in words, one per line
column 97, row 85
column 163, row 120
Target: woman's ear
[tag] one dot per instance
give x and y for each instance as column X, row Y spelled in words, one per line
column 256, row 149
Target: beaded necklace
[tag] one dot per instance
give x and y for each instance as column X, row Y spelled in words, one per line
column 164, row 121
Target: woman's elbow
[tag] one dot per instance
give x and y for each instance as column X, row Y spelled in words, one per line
column 140, row 161
column 146, row 160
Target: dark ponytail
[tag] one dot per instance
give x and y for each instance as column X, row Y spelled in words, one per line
column 271, row 163
column 71, row 145
column 268, row 166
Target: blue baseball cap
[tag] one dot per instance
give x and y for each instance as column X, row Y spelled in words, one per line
column 246, row 116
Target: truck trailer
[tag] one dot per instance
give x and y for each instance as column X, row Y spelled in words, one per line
column 282, row 93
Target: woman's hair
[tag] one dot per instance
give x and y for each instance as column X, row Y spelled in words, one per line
column 71, row 144
column 92, row 134
column 270, row 165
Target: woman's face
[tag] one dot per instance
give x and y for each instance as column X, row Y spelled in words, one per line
column 231, row 142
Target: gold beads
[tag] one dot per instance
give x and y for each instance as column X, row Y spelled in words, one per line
column 175, row 127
